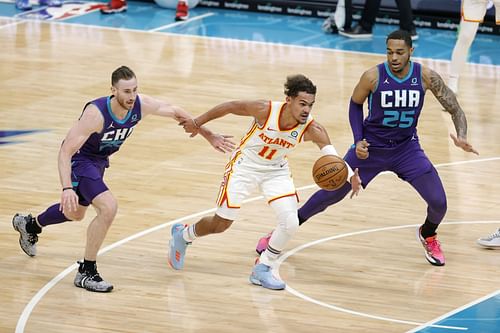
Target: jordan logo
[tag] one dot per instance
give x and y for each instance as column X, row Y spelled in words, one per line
column 386, row 81
column 111, row 125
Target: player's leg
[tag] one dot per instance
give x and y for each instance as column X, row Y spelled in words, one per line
column 431, row 189
column 413, row 166
column 473, row 12
column 184, row 235
column 238, row 182
column 466, row 35
column 106, row 206
column 30, row 227
column 406, row 18
column 285, row 209
column 323, row 199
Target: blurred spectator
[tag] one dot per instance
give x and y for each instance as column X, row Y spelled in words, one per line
column 473, row 12
column 26, row 5
column 364, row 27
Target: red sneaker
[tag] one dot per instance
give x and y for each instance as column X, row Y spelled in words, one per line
column 114, row 6
column 263, row 242
column 432, row 248
column 182, row 11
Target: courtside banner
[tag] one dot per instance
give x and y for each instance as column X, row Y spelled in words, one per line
column 437, row 14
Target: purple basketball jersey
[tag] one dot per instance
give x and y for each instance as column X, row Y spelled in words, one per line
column 99, row 146
column 394, row 107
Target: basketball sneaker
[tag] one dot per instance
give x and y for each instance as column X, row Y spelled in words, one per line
column 177, row 247
column 114, row 6
column 91, row 281
column 23, row 5
column 27, row 240
column 262, row 276
column 492, row 240
column 263, row 242
column 182, row 11
column 432, row 248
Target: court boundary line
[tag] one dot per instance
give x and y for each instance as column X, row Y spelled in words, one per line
column 314, row 48
column 28, row 309
column 356, row 233
column 452, row 312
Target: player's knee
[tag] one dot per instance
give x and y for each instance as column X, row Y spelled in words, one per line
column 108, row 210
column 75, row 216
column 439, row 205
column 289, row 222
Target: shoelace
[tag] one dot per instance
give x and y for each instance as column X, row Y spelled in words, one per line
column 32, row 238
column 433, row 246
column 496, row 234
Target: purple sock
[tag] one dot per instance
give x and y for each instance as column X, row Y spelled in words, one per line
column 320, row 200
column 51, row 216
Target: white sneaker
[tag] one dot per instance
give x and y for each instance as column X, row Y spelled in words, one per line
column 492, row 240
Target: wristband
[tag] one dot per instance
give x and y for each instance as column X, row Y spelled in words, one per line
column 67, row 188
column 195, row 123
column 329, row 150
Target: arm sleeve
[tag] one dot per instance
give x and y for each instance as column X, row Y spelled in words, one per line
column 356, row 120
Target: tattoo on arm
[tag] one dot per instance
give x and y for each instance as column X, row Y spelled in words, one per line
column 449, row 101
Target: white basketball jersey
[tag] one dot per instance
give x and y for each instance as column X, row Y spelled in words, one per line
column 270, row 144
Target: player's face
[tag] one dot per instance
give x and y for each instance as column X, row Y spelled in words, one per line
column 125, row 92
column 301, row 106
column 398, row 55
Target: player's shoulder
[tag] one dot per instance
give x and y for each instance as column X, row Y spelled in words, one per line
column 370, row 74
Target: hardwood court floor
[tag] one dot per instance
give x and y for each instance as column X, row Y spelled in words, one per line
column 48, row 73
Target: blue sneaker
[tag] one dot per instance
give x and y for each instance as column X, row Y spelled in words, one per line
column 51, row 3
column 262, row 276
column 23, row 5
column 177, row 247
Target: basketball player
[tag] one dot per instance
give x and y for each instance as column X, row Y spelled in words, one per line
column 387, row 139
column 473, row 12
column 261, row 162
column 103, row 126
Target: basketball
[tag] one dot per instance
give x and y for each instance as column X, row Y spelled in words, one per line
column 330, row 172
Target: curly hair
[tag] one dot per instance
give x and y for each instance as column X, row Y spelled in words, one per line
column 297, row 83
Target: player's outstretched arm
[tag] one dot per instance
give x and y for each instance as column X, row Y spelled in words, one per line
column 449, row 101
column 258, row 109
column 150, row 105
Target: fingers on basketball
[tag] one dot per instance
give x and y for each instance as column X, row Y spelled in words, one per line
column 330, row 172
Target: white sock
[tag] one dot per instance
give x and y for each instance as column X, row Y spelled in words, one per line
column 189, row 233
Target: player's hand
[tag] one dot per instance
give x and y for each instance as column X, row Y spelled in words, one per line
column 189, row 125
column 222, row 143
column 355, row 183
column 362, row 149
column 462, row 143
column 69, row 201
